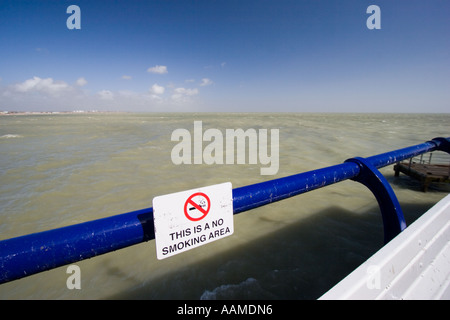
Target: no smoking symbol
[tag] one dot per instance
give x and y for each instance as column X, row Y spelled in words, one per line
column 197, row 206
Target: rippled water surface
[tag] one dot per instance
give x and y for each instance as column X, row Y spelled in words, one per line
column 58, row 170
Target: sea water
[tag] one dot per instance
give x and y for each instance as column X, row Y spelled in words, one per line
column 63, row 169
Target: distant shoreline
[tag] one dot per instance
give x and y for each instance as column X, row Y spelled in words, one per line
column 25, row 113
column 81, row 112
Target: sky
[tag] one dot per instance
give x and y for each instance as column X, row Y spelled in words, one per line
column 225, row 55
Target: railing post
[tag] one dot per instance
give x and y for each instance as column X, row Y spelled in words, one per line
column 391, row 212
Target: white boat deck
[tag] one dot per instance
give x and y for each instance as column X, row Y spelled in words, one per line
column 414, row 265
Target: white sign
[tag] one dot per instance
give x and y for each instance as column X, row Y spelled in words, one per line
column 188, row 219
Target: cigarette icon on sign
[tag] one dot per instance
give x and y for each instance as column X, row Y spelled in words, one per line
column 197, row 206
column 202, row 204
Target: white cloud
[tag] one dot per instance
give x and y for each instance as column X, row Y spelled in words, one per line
column 187, row 92
column 41, row 85
column 206, row 82
column 182, row 95
column 158, row 69
column 125, row 77
column 42, row 94
column 127, row 93
column 106, row 95
column 81, row 82
column 156, row 89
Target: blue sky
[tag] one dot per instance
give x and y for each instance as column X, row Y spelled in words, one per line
column 225, row 55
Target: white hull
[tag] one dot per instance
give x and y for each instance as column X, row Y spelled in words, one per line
column 414, row 265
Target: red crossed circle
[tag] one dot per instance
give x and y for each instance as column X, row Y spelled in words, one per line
column 197, row 206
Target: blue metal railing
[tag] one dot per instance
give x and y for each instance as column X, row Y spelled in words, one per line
column 30, row 254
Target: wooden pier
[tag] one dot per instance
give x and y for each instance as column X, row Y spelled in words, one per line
column 425, row 173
